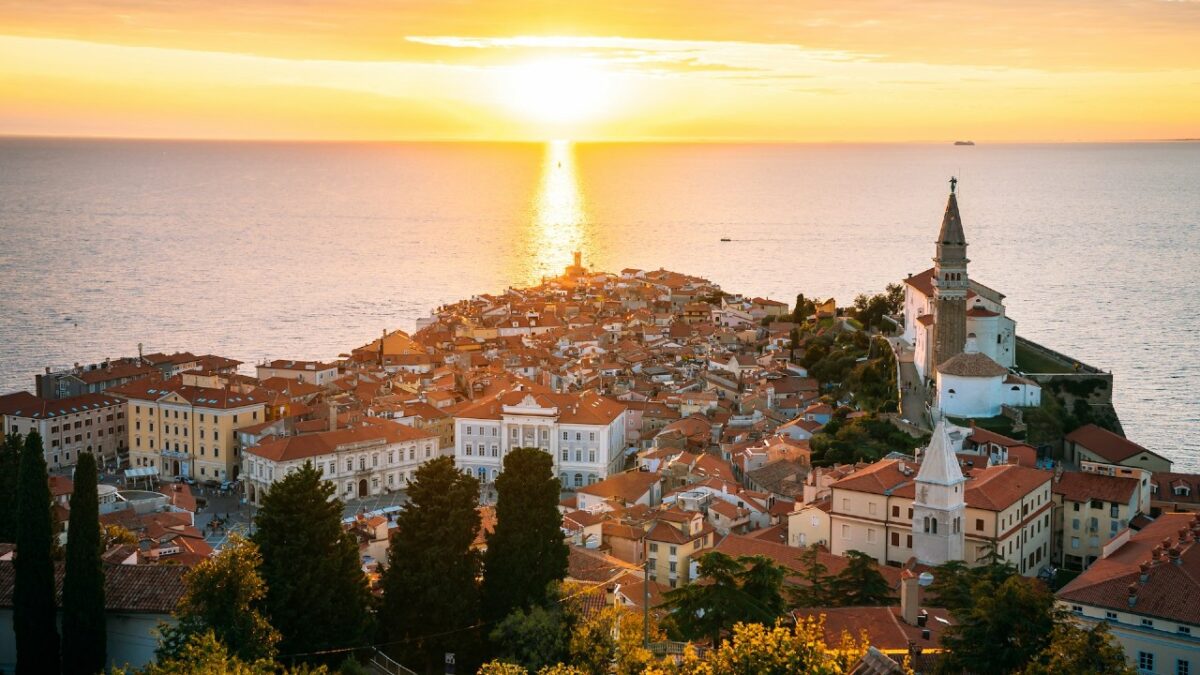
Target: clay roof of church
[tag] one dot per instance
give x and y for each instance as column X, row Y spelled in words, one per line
column 971, row 364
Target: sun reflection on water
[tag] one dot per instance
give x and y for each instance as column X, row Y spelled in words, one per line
column 558, row 212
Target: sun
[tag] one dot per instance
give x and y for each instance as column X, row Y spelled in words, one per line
column 559, row 91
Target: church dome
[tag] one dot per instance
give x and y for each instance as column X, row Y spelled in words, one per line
column 972, row 364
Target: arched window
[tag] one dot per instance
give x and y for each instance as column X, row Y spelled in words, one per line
column 578, row 480
column 926, row 524
column 934, row 523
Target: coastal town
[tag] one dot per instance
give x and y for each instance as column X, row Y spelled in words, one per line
column 900, row 464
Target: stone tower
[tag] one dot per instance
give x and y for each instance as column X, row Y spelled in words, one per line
column 940, row 502
column 950, row 285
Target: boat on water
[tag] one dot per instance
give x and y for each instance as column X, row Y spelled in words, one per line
column 726, row 239
column 964, row 142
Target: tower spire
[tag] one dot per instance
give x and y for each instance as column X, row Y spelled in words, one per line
column 950, row 284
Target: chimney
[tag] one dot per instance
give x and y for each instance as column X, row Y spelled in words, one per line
column 1174, row 556
column 1145, row 572
column 910, row 602
column 1156, row 554
column 925, row 633
column 1183, row 536
column 140, row 360
column 1132, row 594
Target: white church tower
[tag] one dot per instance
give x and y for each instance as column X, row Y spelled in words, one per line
column 940, row 502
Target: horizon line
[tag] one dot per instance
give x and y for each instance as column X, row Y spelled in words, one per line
column 700, row 140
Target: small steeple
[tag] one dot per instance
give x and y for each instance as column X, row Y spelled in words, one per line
column 939, row 464
column 951, row 233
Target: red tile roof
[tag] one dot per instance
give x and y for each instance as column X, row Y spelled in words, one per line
column 1171, row 590
column 322, row 443
column 25, row 404
column 153, row 589
column 1077, row 486
column 1112, row 447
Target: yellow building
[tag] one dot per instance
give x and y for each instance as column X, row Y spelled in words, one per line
column 185, row 430
column 1007, row 508
column 1091, row 509
column 675, row 540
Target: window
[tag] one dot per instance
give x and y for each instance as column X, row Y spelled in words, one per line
column 979, row 524
column 564, row 435
column 1078, row 609
column 895, row 511
column 1074, row 523
column 592, row 436
column 895, row 539
column 469, row 432
column 514, row 432
column 1146, row 661
column 1111, row 616
column 1148, row 623
column 845, row 531
column 578, row 480
column 467, row 450
column 908, row 541
column 412, row 453
column 495, row 450
column 578, row 436
column 845, row 504
column 564, row 454
column 578, row 455
column 1183, row 667
column 592, row 456
column 1184, row 630
column 1075, row 506
column 653, row 548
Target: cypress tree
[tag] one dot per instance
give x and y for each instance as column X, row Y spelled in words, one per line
column 317, row 594
column 84, row 639
column 34, row 603
column 10, row 461
column 526, row 552
column 431, row 582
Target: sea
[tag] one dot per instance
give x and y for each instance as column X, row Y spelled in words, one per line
column 307, row 250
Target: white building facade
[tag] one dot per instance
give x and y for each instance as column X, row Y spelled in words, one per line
column 584, row 433
column 370, row 459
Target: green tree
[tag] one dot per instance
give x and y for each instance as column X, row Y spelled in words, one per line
column 534, row 638
column 10, row 462
column 1079, row 651
column 317, row 594
column 748, row 589
column 204, row 654
column 430, row 584
column 34, row 605
column 1008, row 625
column 814, row 591
column 526, row 553
column 224, row 596
column 860, row 584
column 84, row 638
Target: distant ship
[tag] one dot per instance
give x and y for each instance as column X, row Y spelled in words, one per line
column 964, row 142
column 726, row 239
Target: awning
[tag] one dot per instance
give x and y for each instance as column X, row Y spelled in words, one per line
column 141, row 472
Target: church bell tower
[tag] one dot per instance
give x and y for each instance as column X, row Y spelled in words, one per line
column 940, row 504
column 950, row 285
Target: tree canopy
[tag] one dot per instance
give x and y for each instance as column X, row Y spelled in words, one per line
column 748, row 589
column 772, row 650
column 526, row 552
column 1003, row 630
column 224, row 596
column 430, row 584
column 10, row 463
column 84, row 636
column 316, row 591
column 34, row 604
column 1080, row 651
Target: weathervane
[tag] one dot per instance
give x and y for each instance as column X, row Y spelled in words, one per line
column 953, row 182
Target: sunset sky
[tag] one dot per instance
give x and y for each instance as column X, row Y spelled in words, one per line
column 761, row 70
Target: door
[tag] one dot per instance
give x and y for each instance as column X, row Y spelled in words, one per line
column 362, row 488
